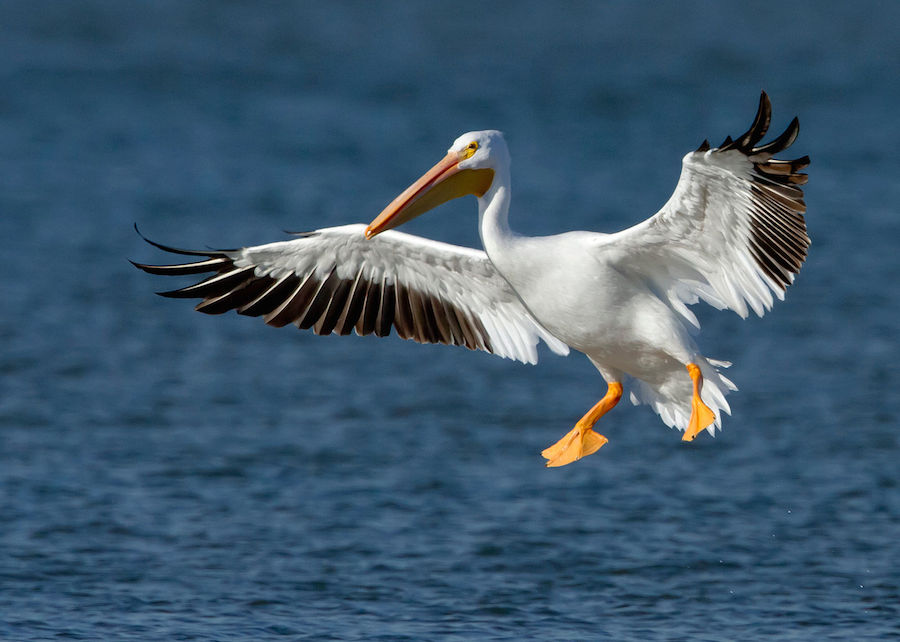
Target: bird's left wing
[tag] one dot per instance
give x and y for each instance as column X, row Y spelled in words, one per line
column 732, row 233
column 334, row 280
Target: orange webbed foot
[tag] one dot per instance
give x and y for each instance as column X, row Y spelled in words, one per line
column 582, row 441
column 701, row 414
column 579, row 442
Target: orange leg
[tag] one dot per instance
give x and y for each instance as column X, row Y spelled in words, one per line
column 701, row 415
column 582, row 441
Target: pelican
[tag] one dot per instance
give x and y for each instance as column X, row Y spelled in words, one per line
column 732, row 235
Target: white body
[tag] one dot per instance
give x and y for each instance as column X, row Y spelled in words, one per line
column 610, row 315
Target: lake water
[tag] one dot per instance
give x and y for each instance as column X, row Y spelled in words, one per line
column 166, row 475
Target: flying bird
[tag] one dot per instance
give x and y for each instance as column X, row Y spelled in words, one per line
column 732, row 235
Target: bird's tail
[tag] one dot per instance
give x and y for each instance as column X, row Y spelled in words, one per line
column 671, row 398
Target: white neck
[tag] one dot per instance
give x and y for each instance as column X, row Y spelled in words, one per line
column 493, row 215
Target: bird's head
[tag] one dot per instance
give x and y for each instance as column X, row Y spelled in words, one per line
column 468, row 168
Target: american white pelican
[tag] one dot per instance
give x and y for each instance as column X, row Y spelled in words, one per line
column 732, row 234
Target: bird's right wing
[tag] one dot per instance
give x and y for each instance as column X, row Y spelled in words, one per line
column 733, row 232
column 335, row 280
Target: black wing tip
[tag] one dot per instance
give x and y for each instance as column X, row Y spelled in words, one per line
column 146, row 267
column 782, row 142
column 745, row 143
column 175, row 250
column 760, row 124
column 215, row 261
column 170, row 294
column 215, row 264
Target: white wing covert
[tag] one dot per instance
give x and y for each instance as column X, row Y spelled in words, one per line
column 334, row 280
column 732, row 233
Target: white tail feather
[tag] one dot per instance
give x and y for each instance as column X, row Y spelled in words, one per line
column 671, row 398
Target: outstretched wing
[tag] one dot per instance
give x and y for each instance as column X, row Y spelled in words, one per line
column 732, row 233
column 334, row 280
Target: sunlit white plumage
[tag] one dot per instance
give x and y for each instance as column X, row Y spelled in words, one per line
column 732, row 235
column 447, row 275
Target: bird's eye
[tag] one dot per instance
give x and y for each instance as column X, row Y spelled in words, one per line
column 470, row 149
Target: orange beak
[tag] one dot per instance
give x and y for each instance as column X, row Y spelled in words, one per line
column 441, row 183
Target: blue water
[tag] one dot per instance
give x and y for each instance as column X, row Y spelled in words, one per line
column 166, row 475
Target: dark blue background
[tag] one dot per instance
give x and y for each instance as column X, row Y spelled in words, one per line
column 166, row 475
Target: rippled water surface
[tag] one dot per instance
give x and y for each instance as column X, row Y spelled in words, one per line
column 167, row 475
